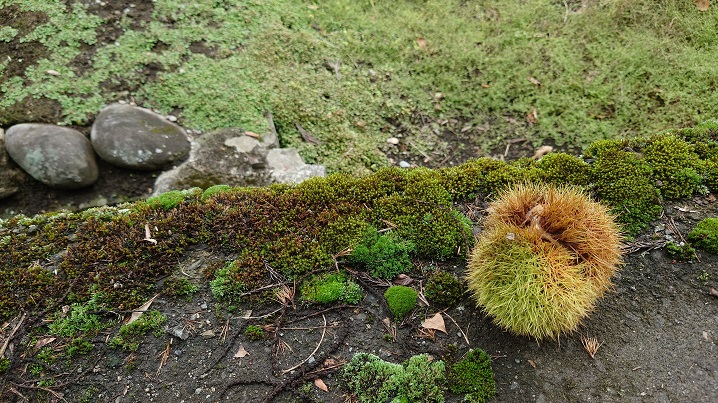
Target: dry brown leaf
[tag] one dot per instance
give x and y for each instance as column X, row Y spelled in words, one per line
column 436, row 322
column 532, row 117
column 402, row 279
column 702, row 5
column 306, row 135
column 139, row 311
column 241, row 353
column 43, row 342
column 541, row 151
column 321, row 385
column 532, row 363
column 251, row 134
column 148, row 235
column 534, row 81
column 422, row 44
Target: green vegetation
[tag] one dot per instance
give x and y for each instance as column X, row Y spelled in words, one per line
column 78, row 346
column 4, row 364
column 81, row 319
column 130, row 336
column 473, row 377
column 355, row 72
column 329, row 288
column 384, row 255
column 444, row 289
column 214, row 190
column 373, row 380
column 179, row 286
column 227, row 284
column 545, row 256
column 254, row 332
column 683, row 252
column 705, row 235
column 401, row 300
column 171, row 199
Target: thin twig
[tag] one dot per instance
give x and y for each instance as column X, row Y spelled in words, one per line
column 324, row 331
column 7, row 341
column 457, row 325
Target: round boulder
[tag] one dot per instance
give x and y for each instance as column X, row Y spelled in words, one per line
column 57, row 156
column 11, row 177
column 137, row 138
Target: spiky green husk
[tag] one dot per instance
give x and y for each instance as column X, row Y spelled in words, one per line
column 545, row 256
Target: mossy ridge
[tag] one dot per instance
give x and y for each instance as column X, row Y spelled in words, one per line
column 121, row 251
column 321, row 217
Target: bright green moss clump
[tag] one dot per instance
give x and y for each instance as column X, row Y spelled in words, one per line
column 383, row 255
column 214, row 190
column 401, row 300
column 705, row 235
column 178, row 286
column 238, row 277
column 166, row 201
column 373, row 380
column 130, row 335
column 473, row 377
column 329, row 288
column 254, row 332
column 80, row 319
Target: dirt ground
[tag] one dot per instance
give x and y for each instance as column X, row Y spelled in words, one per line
column 658, row 332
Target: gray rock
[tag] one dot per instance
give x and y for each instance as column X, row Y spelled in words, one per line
column 178, row 331
column 11, row 177
column 287, row 166
column 57, row 156
column 137, row 138
column 225, row 156
column 230, row 157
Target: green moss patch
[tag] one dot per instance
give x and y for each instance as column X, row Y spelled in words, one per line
column 329, row 288
column 373, row 380
column 383, row 255
column 473, row 377
column 130, row 336
column 401, row 300
column 705, row 235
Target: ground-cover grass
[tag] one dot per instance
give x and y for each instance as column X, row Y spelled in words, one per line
column 356, row 72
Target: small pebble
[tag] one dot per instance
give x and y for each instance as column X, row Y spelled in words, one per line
column 404, row 164
column 204, row 305
column 392, row 140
